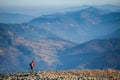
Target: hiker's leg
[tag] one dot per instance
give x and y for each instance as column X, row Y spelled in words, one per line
column 32, row 69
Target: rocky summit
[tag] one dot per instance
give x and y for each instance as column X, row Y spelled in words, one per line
column 108, row 74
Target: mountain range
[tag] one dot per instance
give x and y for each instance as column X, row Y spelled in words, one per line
column 94, row 54
column 80, row 26
column 23, row 42
column 82, row 39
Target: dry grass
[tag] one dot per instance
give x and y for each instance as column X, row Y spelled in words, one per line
column 64, row 75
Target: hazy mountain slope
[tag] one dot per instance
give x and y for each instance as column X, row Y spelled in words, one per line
column 14, row 18
column 115, row 34
column 110, row 7
column 81, row 25
column 20, row 43
column 95, row 54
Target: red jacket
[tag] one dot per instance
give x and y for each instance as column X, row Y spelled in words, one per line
column 32, row 63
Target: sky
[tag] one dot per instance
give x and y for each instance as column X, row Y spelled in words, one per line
column 62, row 3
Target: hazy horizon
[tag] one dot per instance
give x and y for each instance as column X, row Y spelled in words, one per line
column 37, row 7
column 37, row 11
column 54, row 3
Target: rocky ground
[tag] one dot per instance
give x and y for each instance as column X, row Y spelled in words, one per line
column 64, row 75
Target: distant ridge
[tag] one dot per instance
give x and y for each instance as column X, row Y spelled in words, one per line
column 81, row 25
column 14, row 18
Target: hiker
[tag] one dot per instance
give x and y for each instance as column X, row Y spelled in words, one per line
column 32, row 64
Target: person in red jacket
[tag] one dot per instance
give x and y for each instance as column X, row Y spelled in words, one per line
column 32, row 64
